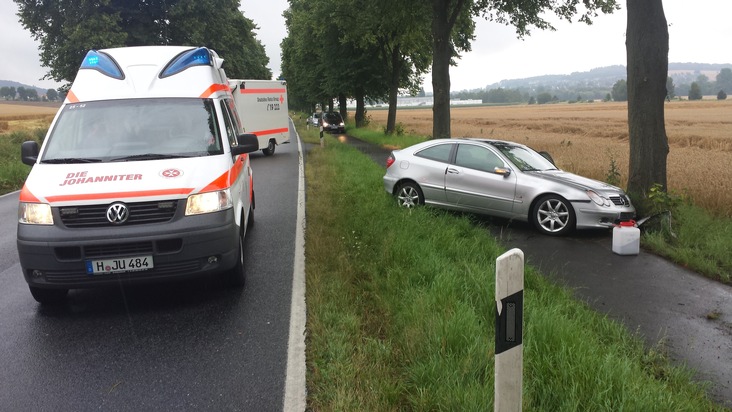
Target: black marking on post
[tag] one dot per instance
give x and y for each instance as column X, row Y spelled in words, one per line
column 509, row 323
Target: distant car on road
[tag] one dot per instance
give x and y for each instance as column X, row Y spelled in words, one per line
column 314, row 120
column 504, row 179
column 332, row 122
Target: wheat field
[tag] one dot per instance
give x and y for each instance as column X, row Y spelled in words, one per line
column 17, row 117
column 584, row 138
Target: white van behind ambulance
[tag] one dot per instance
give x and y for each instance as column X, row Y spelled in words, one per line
column 143, row 176
column 262, row 105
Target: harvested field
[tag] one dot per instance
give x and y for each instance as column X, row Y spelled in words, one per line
column 583, row 138
column 15, row 116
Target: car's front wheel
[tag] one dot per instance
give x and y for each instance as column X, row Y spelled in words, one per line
column 553, row 215
column 410, row 195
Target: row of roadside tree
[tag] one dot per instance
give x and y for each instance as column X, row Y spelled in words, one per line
column 28, row 94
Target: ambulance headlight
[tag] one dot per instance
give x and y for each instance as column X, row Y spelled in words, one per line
column 208, row 202
column 35, row 214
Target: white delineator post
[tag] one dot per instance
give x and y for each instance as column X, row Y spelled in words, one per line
column 509, row 331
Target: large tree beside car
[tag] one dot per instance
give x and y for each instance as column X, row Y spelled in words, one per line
column 647, row 45
column 66, row 30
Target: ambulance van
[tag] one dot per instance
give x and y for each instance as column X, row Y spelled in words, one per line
column 262, row 105
column 144, row 176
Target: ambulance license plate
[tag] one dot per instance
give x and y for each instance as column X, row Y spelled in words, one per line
column 119, row 265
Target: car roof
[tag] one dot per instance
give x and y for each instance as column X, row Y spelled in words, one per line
column 492, row 142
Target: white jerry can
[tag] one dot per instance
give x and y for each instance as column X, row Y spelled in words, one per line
column 626, row 238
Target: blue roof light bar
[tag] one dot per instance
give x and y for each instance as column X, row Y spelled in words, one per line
column 194, row 57
column 103, row 63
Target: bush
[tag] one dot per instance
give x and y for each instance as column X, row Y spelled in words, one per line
column 721, row 95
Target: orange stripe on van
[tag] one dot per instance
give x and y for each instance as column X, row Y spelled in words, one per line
column 262, row 91
column 71, row 97
column 119, row 195
column 217, row 87
column 27, row 196
column 227, row 178
column 271, row 131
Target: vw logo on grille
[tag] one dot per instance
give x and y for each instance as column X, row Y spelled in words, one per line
column 117, row 213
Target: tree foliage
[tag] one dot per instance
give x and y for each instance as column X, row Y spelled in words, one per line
column 7, row 92
column 364, row 50
column 724, row 80
column 695, row 92
column 67, row 29
column 670, row 88
column 620, row 91
column 52, row 94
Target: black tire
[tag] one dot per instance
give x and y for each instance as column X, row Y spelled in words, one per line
column 269, row 151
column 553, row 215
column 409, row 195
column 250, row 218
column 49, row 296
column 235, row 276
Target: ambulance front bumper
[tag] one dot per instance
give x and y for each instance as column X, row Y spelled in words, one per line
column 192, row 246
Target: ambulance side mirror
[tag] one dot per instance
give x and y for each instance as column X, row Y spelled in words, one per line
column 247, row 143
column 29, row 152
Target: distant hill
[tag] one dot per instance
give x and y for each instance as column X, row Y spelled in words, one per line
column 605, row 77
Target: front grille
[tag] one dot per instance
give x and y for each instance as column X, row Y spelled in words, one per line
column 94, row 216
column 620, row 200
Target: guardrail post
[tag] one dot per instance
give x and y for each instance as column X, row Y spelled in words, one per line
column 509, row 331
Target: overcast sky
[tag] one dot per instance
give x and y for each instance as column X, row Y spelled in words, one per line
column 699, row 31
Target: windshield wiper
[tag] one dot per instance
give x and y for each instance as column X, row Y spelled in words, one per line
column 148, row 156
column 71, row 160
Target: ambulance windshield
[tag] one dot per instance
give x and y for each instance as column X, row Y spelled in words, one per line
column 134, row 129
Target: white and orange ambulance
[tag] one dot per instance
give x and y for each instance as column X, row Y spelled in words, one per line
column 144, row 176
column 262, row 105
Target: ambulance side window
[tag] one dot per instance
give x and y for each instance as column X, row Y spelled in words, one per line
column 230, row 130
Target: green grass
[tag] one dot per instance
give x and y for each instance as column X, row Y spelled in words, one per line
column 12, row 171
column 696, row 240
column 378, row 137
column 401, row 313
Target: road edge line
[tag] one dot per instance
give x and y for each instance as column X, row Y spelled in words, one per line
column 295, row 386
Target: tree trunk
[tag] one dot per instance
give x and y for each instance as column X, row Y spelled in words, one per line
column 396, row 75
column 342, row 106
column 647, row 50
column 442, row 53
column 360, row 108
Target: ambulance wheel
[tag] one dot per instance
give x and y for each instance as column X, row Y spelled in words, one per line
column 269, row 151
column 235, row 277
column 48, row 296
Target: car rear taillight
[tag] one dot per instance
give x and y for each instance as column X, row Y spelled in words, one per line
column 390, row 160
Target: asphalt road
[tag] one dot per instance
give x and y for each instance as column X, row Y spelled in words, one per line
column 670, row 307
column 190, row 346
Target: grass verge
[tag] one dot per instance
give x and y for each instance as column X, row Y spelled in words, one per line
column 401, row 313
column 12, row 171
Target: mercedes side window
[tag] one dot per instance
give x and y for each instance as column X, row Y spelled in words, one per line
column 478, row 158
column 440, row 152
